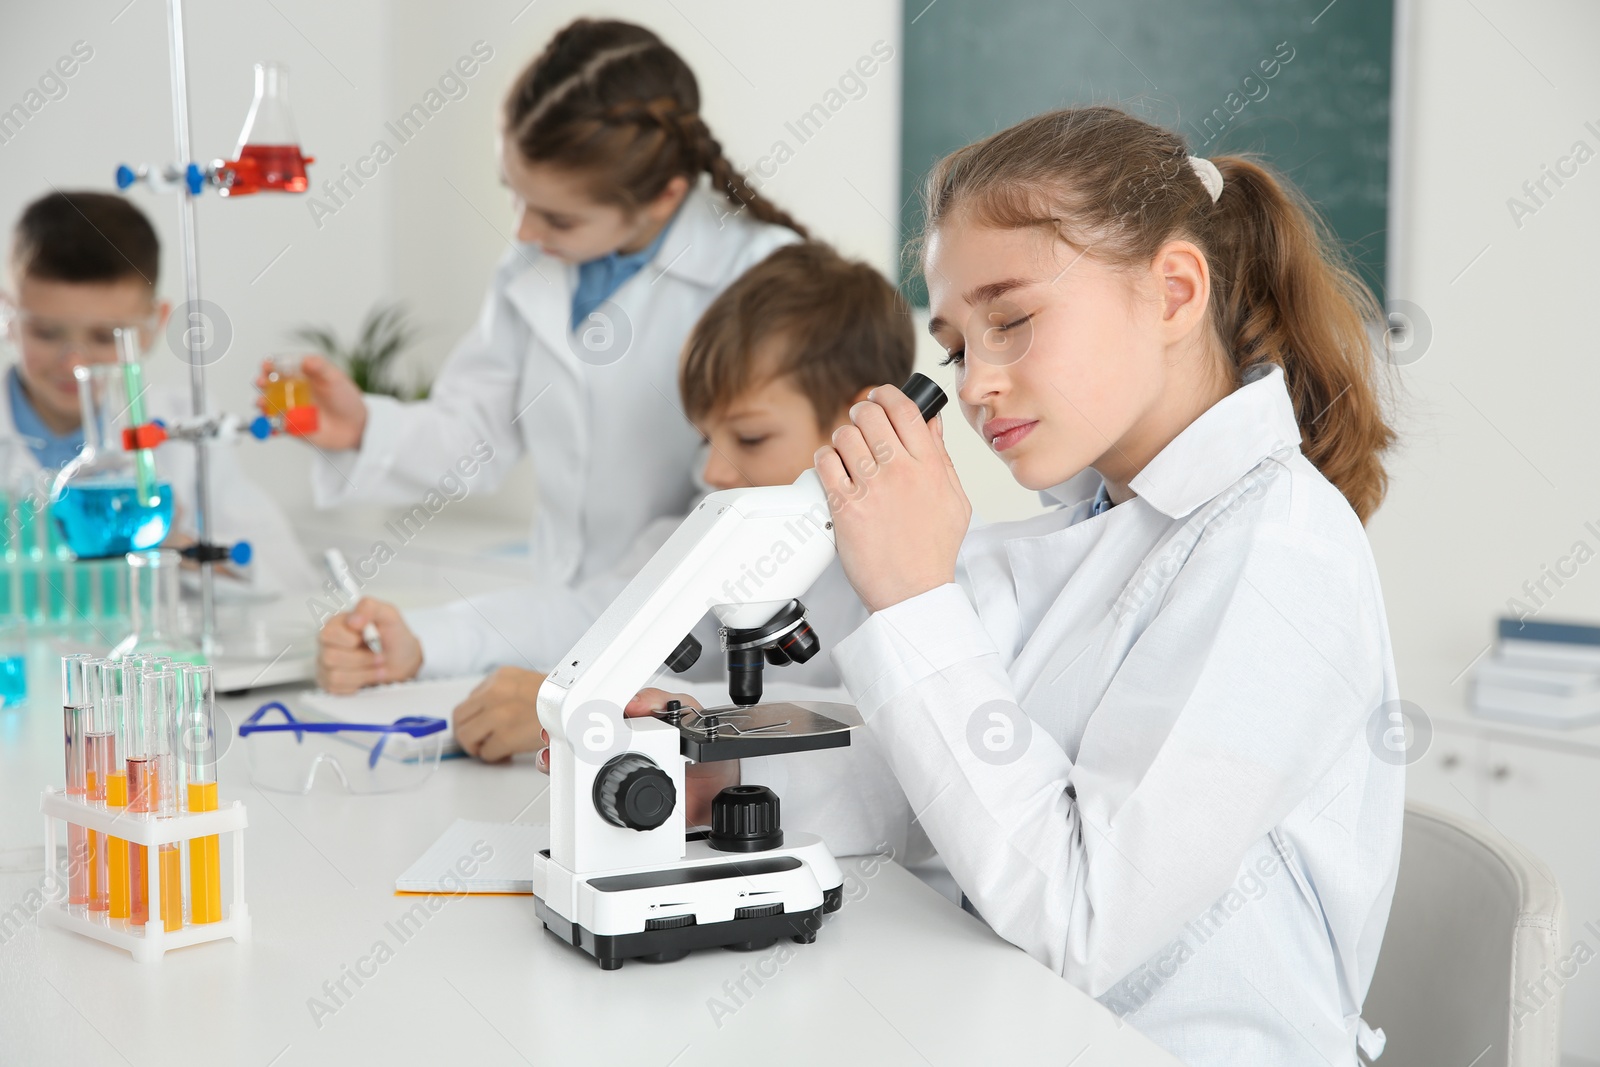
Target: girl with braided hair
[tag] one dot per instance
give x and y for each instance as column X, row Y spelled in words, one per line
column 630, row 220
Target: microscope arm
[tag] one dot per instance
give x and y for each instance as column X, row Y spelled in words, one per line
column 742, row 554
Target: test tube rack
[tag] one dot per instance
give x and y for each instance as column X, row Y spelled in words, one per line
column 149, row 942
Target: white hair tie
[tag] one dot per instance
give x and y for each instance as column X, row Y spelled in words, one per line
column 1208, row 174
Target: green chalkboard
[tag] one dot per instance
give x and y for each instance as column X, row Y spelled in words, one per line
column 972, row 67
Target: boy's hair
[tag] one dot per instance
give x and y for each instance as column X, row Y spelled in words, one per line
column 610, row 99
column 84, row 237
column 1282, row 290
column 837, row 324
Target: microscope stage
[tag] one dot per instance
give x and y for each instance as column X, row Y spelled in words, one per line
column 732, row 732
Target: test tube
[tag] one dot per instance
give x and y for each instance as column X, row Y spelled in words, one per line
column 199, row 748
column 75, row 708
column 100, row 753
column 147, row 739
column 119, row 682
column 162, row 689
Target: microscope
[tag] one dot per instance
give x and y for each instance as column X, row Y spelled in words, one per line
column 624, row 877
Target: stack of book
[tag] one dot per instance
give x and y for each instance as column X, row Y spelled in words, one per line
column 1541, row 674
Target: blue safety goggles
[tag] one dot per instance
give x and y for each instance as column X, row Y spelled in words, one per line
column 365, row 757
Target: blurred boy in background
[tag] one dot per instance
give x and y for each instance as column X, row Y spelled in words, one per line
column 81, row 265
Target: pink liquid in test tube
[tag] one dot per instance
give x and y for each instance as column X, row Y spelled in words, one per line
column 75, row 711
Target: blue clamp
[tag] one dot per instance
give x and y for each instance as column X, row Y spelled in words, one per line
column 126, row 176
column 261, row 427
column 242, row 553
column 194, row 178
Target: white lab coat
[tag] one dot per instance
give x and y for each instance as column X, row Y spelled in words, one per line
column 240, row 510
column 1199, row 831
column 611, row 445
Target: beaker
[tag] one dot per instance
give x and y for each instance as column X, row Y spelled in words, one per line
column 268, row 156
column 106, row 501
column 153, row 609
column 287, row 387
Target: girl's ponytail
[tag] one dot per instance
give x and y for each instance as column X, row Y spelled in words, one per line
column 1282, row 291
column 611, row 100
column 1283, row 294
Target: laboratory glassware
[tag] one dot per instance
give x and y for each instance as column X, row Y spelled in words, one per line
column 107, row 501
column 268, row 156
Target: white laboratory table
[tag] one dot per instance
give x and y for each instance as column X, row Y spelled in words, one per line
column 897, row 976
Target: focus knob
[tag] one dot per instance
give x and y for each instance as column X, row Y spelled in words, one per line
column 633, row 793
column 744, row 818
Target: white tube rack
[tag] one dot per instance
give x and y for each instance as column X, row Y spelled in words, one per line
column 147, row 943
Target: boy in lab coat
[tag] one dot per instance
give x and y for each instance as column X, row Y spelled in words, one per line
column 82, row 264
column 768, row 372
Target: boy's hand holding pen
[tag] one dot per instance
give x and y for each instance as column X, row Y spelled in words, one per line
column 368, row 645
column 340, row 569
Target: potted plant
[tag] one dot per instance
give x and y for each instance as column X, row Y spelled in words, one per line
column 386, row 331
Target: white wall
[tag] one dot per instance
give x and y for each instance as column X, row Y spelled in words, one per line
column 1496, row 474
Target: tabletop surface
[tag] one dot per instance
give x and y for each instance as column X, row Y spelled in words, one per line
column 897, row 976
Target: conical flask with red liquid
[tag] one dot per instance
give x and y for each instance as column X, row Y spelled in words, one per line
column 268, row 157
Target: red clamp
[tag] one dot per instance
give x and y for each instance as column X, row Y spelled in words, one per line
column 135, row 438
column 297, row 422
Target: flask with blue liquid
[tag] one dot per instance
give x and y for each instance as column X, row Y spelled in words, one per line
column 108, row 500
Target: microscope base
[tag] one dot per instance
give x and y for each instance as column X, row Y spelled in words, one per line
column 664, row 946
column 715, row 886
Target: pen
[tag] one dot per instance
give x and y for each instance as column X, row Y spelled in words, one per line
column 347, row 582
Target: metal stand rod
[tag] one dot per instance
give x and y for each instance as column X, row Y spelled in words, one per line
column 197, row 331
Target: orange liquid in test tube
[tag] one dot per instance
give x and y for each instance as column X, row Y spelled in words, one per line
column 145, row 782
column 171, row 887
column 117, row 850
column 205, row 861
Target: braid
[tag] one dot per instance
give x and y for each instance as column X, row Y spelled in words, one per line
column 610, row 99
column 700, row 152
column 530, row 101
column 661, row 113
column 729, row 181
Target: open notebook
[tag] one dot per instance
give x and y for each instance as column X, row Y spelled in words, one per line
column 436, row 697
column 478, row 857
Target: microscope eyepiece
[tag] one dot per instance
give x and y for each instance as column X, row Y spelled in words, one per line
column 925, row 393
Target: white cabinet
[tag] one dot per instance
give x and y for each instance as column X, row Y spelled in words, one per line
column 1449, row 774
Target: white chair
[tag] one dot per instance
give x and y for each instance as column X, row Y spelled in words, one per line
column 1477, row 922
